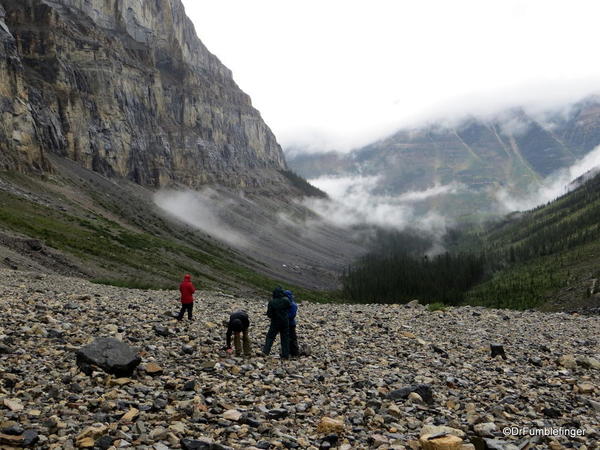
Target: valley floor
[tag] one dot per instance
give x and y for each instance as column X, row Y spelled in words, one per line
column 361, row 356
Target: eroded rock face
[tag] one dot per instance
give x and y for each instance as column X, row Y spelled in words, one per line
column 125, row 88
column 17, row 133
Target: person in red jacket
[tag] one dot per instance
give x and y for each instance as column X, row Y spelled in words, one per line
column 187, row 290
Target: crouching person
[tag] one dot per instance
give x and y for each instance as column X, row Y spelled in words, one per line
column 238, row 326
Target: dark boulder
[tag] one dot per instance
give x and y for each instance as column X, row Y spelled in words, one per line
column 159, row 404
column 5, row 349
column 424, row 390
column 439, row 351
column 189, row 385
column 30, row 437
column 162, row 331
column 553, row 413
column 14, row 429
column 34, row 245
column 497, row 350
column 109, row 354
column 105, row 442
column 276, row 414
column 193, row 444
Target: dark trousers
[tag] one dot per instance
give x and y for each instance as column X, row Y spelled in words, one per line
column 294, row 350
column 283, row 329
column 185, row 307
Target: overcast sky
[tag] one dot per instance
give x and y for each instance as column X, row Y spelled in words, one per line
column 337, row 74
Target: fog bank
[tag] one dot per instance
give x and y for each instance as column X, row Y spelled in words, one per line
column 201, row 210
column 552, row 187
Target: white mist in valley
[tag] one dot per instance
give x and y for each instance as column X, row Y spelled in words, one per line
column 552, row 187
column 278, row 237
column 201, row 210
column 353, row 201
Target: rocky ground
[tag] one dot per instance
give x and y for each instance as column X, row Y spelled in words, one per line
column 378, row 377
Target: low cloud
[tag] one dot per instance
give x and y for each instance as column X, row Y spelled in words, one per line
column 513, row 125
column 278, row 237
column 551, row 187
column 435, row 191
column 542, row 100
column 201, row 210
column 353, row 202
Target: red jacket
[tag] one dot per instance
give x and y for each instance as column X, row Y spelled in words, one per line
column 187, row 289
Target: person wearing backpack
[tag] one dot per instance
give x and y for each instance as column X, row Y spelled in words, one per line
column 187, row 289
column 294, row 350
column 278, row 311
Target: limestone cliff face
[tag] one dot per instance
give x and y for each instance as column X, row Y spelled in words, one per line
column 18, row 145
column 125, row 87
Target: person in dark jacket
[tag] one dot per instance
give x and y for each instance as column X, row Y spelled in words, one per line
column 187, row 290
column 294, row 350
column 278, row 311
column 238, row 325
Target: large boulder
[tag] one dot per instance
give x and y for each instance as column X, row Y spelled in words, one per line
column 567, row 361
column 424, row 390
column 109, row 354
column 588, row 362
column 441, row 430
column 328, row 425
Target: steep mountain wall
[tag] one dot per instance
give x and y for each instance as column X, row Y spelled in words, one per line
column 125, row 87
column 18, row 144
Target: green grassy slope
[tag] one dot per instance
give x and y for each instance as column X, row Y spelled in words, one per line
column 547, row 257
column 115, row 236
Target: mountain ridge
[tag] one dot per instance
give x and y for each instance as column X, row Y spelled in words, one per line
column 513, row 150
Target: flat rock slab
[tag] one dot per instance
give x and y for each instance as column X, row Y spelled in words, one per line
column 27, row 439
column 448, row 442
column 109, row 354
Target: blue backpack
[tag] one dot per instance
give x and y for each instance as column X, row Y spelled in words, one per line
column 293, row 307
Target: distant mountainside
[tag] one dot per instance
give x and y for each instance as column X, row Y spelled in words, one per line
column 514, row 150
column 547, row 257
column 126, row 88
column 80, row 223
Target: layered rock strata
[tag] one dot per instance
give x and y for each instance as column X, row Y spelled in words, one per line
column 126, row 88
